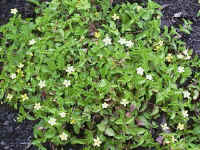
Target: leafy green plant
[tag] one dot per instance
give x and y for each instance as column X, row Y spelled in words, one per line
column 102, row 78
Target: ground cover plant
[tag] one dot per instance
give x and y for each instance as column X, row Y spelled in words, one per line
column 103, row 77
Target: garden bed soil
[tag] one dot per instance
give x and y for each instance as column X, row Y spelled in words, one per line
column 17, row 136
column 25, row 9
column 173, row 13
column 13, row 135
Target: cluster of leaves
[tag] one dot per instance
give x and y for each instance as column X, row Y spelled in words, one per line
column 102, row 77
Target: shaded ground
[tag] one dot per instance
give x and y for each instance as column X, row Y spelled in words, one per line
column 25, row 8
column 13, row 135
column 187, row 9
column 16, row 136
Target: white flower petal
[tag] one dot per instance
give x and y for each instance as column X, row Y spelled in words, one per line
column 140, row 71
column 107, row 41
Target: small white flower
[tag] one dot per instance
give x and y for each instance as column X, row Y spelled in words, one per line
column 160, row 43
column 115, row 17
column 124, row 102
column 21, row 65
column 70, row 69
column 107, row 99
column 185, row 113
column 166, row 141
column 9, row 96
column 24, row 97
column 138, row 8
column 31, row 42
column 177, row 15
column 52, row 121
column 180, row 126
column 62, row 114
column 84, row 50
column 140, row 71
column 40, row 128
column 63, row 136
column 169, row 57
column 180, row 69
column 29, row 53
column 122, row 41
column 13, row 76
column 186, row 94
column 37, row 106
column 173, row 139
column 105, row 105
column 42, row 84
column 164, row 126
column 67, row 83
column 185, row 52
column 129, row 44
column 149, row 77
column 107, row 41
column 180, row 56
column 13, row 11
column 187, row 57
column 97, row 142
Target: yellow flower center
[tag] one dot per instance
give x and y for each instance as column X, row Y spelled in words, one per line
column 97, row 35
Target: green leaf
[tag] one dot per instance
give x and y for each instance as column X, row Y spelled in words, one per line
column 78, row 141
column 155, row 111
column 142, row 121
column 135, row 131
column 101, row 126
column 76, row 129
column 102, row 83
column 119, row 121
column 28, row 116
column 1, row 93
column 50, row 133
column 198, row 14
column 38, row 143
column 196, row 130
column 83, row 4
column 36, row 2
column 109, row 132
column 130, row 120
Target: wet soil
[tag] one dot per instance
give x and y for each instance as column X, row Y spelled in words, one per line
column 17, row 136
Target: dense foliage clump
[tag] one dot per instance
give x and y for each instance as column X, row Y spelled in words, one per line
column 104, row 77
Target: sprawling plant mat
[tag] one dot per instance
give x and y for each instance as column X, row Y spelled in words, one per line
column 103, row 75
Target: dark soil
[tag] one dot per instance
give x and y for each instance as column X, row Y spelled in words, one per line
column 26, row 9
column 188, row 10
column 13, row 135
column 17, row 136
